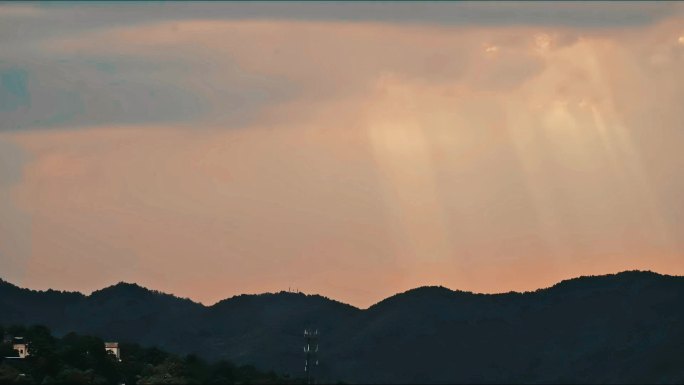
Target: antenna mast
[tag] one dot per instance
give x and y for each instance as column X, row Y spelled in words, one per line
column 310, row 353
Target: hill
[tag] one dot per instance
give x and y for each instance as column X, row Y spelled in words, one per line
column 621, row 328
column 77, row 359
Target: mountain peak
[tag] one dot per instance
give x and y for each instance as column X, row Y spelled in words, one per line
column 122, row 289
column 282, row 298
column 624, row 278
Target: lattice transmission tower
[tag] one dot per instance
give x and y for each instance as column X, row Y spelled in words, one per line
column 311, row 354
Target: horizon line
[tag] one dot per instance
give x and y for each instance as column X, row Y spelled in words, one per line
column 2, row 280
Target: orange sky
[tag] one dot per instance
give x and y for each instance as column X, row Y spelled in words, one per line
column 209, row 157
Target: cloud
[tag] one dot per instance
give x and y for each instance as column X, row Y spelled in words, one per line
column 214, row 156
column 181, row 71
column 13, row 89
column 92, row 90
column 97, row 64
column 570, row 14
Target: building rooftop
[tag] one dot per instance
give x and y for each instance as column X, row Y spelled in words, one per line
column 18, row 340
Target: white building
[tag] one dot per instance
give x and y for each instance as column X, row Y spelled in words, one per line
column 114, row 348
column 20, row 346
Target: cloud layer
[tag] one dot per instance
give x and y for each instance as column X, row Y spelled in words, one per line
column 254, row 148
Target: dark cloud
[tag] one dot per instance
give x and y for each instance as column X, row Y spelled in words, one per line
column 91, row 91
column 41, row 89
column 573, row 14
column 13, row 89
column 73, row 17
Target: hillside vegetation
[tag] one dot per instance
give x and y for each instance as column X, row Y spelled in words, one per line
column 621, row 328
column 77, row 359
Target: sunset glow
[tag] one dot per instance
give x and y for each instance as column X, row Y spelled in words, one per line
column 246, row 151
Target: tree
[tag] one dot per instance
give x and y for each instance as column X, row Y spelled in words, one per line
column 6, row 350
column 77, row 359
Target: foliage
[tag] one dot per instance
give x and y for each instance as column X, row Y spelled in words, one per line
column 622, row 328
column 78, row 359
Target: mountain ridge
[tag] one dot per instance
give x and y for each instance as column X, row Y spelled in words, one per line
column 136, row 286
column 622, row 327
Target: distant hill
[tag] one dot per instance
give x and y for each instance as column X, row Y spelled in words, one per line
column 621, row 328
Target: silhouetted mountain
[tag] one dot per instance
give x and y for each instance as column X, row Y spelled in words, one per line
column 617, row 328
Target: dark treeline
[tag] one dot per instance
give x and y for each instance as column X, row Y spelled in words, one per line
column 78, row 359
column 618, row 328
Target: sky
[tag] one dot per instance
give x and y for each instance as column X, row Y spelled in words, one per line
column 354, row 150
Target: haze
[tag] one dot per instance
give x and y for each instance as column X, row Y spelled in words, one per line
column 351, row 150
